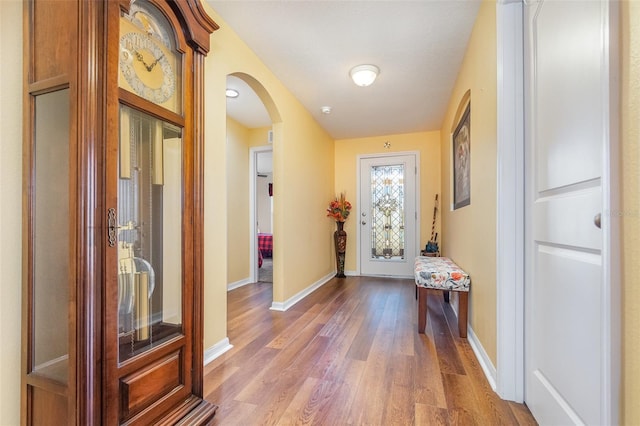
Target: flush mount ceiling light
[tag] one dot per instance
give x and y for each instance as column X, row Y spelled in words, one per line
column 364, row 75
column 326, row 110
column 232, row 93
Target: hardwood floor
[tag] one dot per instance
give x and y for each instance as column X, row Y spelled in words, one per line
column 350, row 353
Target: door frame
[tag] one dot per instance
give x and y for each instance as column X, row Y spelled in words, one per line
column 416, row 154
column 511, row 277
column 510, row 369
column 253, row 209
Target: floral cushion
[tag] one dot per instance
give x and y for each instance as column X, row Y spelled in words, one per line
column 440, row 273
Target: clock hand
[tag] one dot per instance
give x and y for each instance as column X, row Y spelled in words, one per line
column 150, row 67
column 139, row 57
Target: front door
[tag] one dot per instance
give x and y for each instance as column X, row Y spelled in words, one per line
column 387, row 215
column 567, row 75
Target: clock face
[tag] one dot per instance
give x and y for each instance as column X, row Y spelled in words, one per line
column 150, row 64
column 145, row 66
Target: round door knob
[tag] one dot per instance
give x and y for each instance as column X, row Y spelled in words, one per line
column 596, row 220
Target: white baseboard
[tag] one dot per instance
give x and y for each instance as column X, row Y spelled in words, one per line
column 216, row 350
column 481, row 355
column 484, row 360
column 238, row 284
column 283, row 306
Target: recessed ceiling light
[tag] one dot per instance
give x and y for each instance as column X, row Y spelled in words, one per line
column 364, row 75
column 232, row 93
column 326, row 110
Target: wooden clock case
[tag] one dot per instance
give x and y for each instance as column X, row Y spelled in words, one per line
column 72, row 370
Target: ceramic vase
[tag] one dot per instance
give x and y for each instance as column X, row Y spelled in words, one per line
column 340, row 240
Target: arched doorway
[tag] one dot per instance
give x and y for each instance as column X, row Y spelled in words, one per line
column 252, row 128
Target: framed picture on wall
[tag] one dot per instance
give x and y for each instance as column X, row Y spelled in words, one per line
column 462, row 161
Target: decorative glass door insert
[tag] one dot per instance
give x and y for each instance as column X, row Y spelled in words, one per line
column 387, row 211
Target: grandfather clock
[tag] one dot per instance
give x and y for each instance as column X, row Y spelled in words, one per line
column 112, row 228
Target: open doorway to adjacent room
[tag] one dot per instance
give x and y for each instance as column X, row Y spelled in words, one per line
column 264, row 214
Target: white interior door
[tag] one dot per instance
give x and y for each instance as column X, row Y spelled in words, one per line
column 388, row 215
column 567, row 104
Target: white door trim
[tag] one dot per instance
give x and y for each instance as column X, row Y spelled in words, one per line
column 510, row 198
column 612, row 203
column 253, row 213
column 416, row 195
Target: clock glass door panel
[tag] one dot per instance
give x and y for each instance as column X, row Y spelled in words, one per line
column 150, row 188
column 51, row 249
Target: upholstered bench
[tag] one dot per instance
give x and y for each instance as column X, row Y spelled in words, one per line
column 440, row 273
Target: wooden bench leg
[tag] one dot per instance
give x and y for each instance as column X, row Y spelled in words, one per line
column 463, row 305
column 422, row 309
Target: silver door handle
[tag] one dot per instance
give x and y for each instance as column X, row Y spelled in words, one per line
column 596, row 220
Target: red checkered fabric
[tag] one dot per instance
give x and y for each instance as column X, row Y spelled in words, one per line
column 265, row 244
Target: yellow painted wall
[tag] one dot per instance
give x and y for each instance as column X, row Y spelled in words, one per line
column 10, row 214
column 258, row 137
column 303, row 175
column 630, row 108
column 347, row 151
column 237, row 202
column 469, row 233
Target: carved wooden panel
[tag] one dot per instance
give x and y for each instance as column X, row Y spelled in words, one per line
column 47, row 408
column 143, row 387
column 51, row 55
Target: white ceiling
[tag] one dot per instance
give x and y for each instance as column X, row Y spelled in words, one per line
column 247, row 108
column 311, row 46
